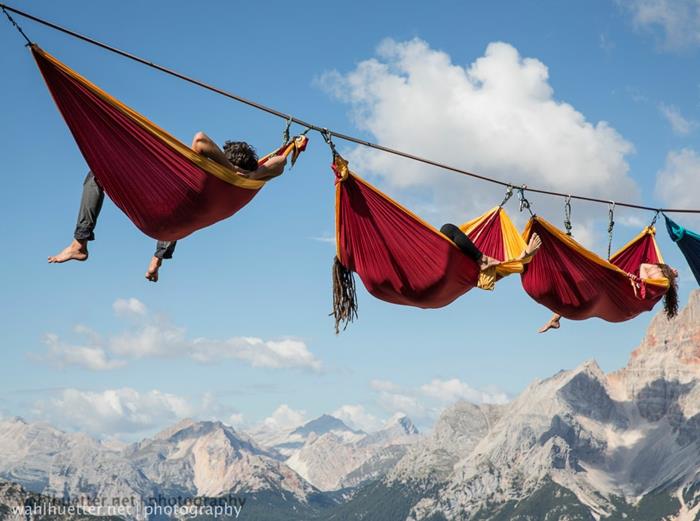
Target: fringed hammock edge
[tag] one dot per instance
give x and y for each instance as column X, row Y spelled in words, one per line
column 403, row 260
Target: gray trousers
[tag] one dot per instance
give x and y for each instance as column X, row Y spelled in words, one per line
column 90, row 206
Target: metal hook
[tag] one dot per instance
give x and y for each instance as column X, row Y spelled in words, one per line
column 328, row 138
column 506, row 198
column 567, row 215
column 611, row 225
column 656, row 216
column 285, row 133
column 524, row 203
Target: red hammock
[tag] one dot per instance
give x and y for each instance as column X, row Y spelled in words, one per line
column 402, row 259
column 577, row 284
column 399, row 258
column 165, row 188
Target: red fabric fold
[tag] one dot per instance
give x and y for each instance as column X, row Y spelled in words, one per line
column 398, row 258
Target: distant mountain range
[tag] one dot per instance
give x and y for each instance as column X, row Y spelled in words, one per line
column 580, row 445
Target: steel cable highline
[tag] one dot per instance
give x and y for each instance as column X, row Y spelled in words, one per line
column 324, row 131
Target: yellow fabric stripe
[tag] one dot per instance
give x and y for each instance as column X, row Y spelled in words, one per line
column 513, row 243
column 471, row 225
column 648, row 230
column 575, row 246
column 206, row 164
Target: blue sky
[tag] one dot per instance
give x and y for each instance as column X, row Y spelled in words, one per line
column 596, row 97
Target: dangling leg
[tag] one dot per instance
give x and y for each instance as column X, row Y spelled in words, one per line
column 552, row 324
column 164, row 250
column 90, row 206
column 467, row 247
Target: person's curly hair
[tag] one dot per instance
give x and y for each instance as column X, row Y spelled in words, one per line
column 671, row 296
column 241, row 154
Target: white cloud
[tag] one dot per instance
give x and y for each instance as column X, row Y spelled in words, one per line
column 90, row 356
column 125, row 412
column 284, row 418
column 113, row 411
column 328, row 239
column 153, row 336
column 424, row 403
column 677, row 21
column 497, row 117
column 404, row 403
column 130, row 306
column 257, row 352
column 679, row 124
column 454, row 389
column 358, row 418
column 678, row 183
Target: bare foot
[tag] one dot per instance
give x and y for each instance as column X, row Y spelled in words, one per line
column 76, row 250
column 552, row 324
column 488, row 262
column 153, row 267
column 533, row 245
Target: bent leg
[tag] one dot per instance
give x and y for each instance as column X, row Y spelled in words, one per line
column 463, row 242
column 90, row 206
column 164, row 250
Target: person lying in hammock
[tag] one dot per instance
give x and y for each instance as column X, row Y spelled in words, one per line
column 646, row 271
column 236, row 155
column 485, row 262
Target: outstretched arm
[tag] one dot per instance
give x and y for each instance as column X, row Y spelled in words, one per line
column 272, row 168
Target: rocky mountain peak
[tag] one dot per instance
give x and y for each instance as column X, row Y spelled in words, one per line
column 188, row 428
column 401, row 423
column 321, row 425
column 669, row 351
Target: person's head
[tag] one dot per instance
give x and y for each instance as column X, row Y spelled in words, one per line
column 671, row 296
column 241, row 154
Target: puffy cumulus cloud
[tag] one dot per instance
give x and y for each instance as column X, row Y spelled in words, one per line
column 679, row 124
column 283, row 418
column 403, row 403
column 153, row 336
column 454, row 389
column 257, row 352
column 357, row 417
column 90, row 355
column 125, row 412
column 676, row 22
column 113, row 411
column 130, row 306
column 497, row 117
column 678, row 183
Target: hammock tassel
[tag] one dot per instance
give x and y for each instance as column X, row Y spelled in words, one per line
column 344, row 296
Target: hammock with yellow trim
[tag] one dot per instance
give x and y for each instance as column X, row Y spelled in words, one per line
column 400, row 258
column 578, row 284
column 165, row 188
